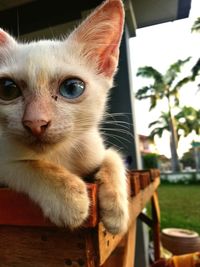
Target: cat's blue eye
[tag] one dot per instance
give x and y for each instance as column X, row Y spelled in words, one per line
column 9, row 90
column 72, row 88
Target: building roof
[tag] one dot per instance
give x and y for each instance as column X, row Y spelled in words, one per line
column 34, row 15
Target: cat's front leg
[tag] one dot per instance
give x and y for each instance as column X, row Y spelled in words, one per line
column 113, row 196
column 61, row 195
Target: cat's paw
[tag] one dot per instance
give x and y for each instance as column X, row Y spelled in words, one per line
column 68, row 206
column 113, row 210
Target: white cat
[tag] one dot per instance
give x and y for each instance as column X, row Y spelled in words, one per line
column 52, row 99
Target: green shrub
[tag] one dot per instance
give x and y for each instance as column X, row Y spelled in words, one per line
column 150, row 161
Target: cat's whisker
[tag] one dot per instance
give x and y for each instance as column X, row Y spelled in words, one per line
column 119, row 116
column 125, row 126
column 118, row 122
column 116, row 137
column 115, row 119
column 117, row 130
column 125, row 114
column 109, row 143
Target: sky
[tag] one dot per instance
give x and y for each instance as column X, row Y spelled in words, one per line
column 160, row 46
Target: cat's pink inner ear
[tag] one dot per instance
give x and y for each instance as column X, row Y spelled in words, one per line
column 5, row 38
column 102, row 32
column 109, row 52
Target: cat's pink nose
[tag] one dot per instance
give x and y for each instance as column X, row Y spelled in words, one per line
column 36, row 127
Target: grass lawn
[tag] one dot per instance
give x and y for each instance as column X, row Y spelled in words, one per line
column 180, row 206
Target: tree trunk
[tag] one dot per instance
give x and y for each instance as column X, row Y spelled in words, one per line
column 173, row 139
column 173, row 145
column 197, row 158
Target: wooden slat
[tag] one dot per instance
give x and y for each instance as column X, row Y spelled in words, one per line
column 156, row 225
column 91, row 248
column 108, row 242
column 117, row 256
column 19, row 209
column 138, row 203
column 39, row 247
column 129, row 253
column 155, row 173
column 134, row 183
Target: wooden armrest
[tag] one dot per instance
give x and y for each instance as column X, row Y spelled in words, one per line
column 34, row 239
column 18, row 209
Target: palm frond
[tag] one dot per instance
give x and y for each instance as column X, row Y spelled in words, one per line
column 174, row 70
column 162, row 125
column 154, row 123
column 150, row 72
column 196, row 70
column 175, row 89
column 143, row 92
column 188, row 119
column 196, row 25
column 158, row 131
column 153, row 102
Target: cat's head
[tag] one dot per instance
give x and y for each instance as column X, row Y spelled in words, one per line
column 54, row 90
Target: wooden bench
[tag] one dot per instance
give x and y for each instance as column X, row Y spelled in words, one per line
column 27, row 239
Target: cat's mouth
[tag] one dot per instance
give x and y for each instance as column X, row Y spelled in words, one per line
column 40, row 143
column 44, row 141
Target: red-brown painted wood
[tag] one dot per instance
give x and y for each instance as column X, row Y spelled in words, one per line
column 18, row 209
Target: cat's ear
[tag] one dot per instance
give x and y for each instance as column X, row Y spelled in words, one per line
column 6, row 40
column 100, row 36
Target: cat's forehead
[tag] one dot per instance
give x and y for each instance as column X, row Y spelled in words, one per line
column 39, row 63
column 43, row 54
column 44, row 60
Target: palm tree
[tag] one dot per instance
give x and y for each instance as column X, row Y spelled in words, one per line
column 165, row 86
column 196, row 25
column 196, row 67
column 160, row 125
column 188, row 120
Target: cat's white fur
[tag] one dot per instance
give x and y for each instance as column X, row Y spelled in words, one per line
column 51, row 173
